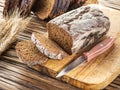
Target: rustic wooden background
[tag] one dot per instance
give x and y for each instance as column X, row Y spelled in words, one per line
column 18, row 76
column 111, row 3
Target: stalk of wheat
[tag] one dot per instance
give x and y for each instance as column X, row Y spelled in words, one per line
column 10, row 27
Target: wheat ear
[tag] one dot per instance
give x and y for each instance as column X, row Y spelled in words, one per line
column 10, row 28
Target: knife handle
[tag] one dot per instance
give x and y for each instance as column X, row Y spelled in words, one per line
column 99, row 48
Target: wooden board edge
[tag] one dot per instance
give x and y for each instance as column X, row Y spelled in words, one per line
column 86, row 86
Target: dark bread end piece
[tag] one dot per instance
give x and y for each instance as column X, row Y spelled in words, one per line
column 48, row 47
column 43, row 8
column 50, row 8
column 29, row 53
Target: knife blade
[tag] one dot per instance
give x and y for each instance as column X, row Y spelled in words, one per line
column 88, row 56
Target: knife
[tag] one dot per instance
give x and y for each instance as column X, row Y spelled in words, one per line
column 88, row 56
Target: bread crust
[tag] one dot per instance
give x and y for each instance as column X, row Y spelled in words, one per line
column 78, row 28
column 54, row 9
column 48, row 47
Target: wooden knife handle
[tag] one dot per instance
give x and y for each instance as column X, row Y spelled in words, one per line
column 99, row 48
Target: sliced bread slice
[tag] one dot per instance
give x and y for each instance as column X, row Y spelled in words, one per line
column 47, row 46
column 29, row 54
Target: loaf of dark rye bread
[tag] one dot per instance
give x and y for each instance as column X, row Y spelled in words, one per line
column 52, row 8
column 24, row 6
column 79, row 28
column 47, row 46
column 29, row 54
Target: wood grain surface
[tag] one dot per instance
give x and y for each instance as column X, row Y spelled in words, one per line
column 18, row 76
column 110, row 3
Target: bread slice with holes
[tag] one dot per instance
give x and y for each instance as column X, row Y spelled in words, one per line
column 48, row 47
column 29, row 54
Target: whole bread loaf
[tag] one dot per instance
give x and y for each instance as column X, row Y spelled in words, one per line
column 47, row 46
column 78, row 28
column 29, row 54
column 52, row 8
